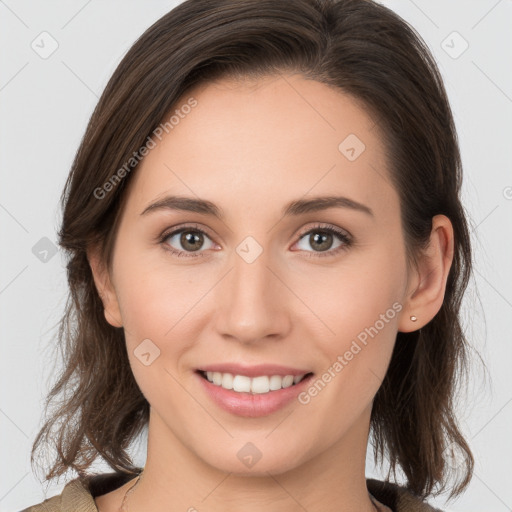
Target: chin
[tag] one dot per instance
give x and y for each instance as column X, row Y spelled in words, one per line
column 264, row 462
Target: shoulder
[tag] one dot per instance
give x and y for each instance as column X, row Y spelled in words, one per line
column 74, row 496
column 79, row 494
column 398, row 498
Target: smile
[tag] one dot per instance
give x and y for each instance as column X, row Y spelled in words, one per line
column 253, row 396
column 256, row 385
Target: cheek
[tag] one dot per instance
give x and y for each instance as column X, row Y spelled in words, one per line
column 359, row 306
column 361, row 311
column 161, row 303
column 153, row 295
column 154, row 316
column 354, row 295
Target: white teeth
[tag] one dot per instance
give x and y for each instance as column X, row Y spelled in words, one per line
column 258, row 385
column 288, row 381
column 241, row 383
column 227, row 381
column 275, row 382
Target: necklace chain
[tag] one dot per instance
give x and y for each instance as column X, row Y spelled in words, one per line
column 129, row 491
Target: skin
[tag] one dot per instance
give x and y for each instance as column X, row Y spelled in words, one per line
column 251, row 147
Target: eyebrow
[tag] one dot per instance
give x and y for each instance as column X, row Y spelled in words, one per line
column 298, row 207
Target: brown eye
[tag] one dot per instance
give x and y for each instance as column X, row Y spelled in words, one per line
column 323, row 240
column 191, row 240
column 186, row 241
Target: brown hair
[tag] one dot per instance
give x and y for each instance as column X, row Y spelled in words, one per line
column 358, row 46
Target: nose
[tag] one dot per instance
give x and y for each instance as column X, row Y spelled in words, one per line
column 253, row 302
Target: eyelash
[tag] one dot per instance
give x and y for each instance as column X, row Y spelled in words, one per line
column 347, row 241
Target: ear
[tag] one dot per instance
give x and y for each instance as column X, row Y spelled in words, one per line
column 427, row 287
column 104, row 286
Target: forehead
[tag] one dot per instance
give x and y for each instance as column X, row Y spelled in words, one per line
column 249, row 140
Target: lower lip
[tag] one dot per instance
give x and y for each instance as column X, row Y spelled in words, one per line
column 252, row 405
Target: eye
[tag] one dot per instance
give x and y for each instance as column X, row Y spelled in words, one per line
column 321, row 237
column 190, row 239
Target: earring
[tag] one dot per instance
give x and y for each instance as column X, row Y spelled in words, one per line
column 413, row 318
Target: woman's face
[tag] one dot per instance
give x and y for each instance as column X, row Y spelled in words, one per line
column 265, row 284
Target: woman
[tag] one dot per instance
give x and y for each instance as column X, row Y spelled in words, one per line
column 267, row 256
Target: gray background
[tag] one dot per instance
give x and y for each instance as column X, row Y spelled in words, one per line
column 45, row 104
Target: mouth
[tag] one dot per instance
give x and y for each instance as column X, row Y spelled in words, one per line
column 257, row 385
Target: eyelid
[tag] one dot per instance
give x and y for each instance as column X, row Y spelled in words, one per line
column 325, row 225
column 182, row 227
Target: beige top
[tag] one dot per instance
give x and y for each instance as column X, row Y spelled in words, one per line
column 78, row 495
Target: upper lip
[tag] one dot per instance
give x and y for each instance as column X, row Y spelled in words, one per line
column 253, row 371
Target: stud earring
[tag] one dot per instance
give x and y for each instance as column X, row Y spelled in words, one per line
column 413, row 318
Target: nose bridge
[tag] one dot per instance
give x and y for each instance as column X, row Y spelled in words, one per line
column 252, row 306
column 250, row 280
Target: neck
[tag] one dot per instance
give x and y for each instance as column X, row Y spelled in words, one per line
column 333, row 480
